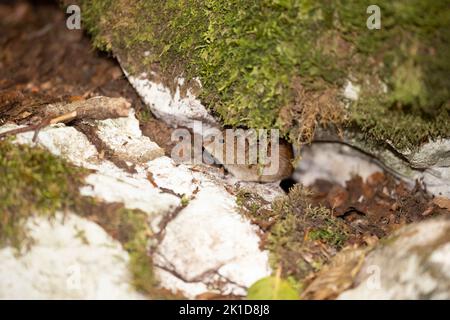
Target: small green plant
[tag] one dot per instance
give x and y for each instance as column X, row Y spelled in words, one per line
column 184, row 200
column 272, row 288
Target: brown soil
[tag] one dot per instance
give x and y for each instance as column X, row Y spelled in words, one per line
column 41, row 61
column 159, row 132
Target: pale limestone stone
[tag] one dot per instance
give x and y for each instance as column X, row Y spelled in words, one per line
column 412, row 264
column 71, row 258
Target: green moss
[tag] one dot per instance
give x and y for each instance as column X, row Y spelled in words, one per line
column 299, row 228
column 32, row 181
column 248, row 53
column 403, row 130
column 328, row 236
column 95, row 11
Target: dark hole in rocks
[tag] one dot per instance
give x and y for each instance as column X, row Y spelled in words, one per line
column 287, row 184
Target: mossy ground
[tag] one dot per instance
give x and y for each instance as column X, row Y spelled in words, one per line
column 34, row 182
column 305, row 229
column 301, row 238
column 253, row 56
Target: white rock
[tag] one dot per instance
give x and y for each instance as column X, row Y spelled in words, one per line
column 188, row 289
column 351, row 91
column 71, row 258
column 125, row 138
column 210, row 241
column 413, row 264
column 133, row 191
column 174, row 109
column 60, row 140
column 207, row 234
column 437, row 180
column 334, row 162
column 431, row 154
column 177, row 178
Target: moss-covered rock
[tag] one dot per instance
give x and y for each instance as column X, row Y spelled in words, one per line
column 284, row 63
column 34, row 182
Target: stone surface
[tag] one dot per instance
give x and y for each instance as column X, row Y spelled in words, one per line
column 172, row 108
column 209, row 242
column 132, row 146
column 430, row 163
column 202, row 243
column 71, row 258
column 134, row 191
column 413, row 263
column 351, row 91
column 62, row 141
column 336, row 161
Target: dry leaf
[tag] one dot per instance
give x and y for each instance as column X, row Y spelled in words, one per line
column 337, row 276
column 441, row 202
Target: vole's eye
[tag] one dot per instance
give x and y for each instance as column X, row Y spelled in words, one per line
column 221, row 140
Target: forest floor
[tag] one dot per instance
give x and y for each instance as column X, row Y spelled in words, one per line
column 42, row 62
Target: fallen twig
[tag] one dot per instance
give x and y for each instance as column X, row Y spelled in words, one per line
column 98, row 108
